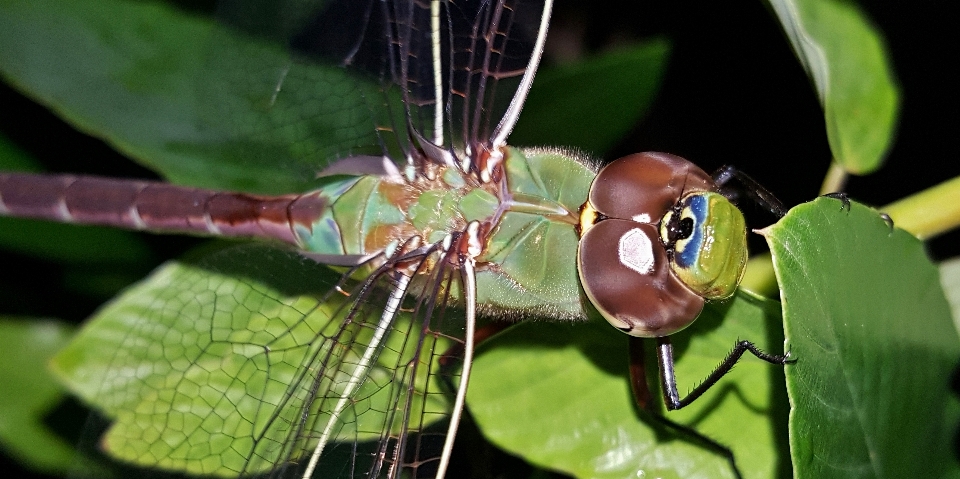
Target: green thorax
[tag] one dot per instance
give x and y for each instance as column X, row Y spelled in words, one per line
column 531, row 254
column 527, row 265
column 372, row 214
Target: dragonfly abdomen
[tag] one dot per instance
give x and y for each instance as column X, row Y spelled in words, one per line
column 157, row 207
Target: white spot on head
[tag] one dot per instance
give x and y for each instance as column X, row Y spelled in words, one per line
column 636, row 251
column 641, row 218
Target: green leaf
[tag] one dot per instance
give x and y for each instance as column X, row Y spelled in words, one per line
column 868, row 323
column 612, row 92
column 845, row 58
column 29, row 392
column 201, row 103
column 559, row 396
column 71, row 243
column 205, row 366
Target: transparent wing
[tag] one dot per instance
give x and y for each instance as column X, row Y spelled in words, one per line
column 258, row 362
column 462, row 65
column 235, row 366
column 292, row 86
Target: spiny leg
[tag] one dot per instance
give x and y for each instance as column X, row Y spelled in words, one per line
column 842, row 197
column 644, row 398
column 845, row 205
column 668, row 380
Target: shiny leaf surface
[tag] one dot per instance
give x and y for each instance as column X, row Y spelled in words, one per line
column 191, row 123
column 558, row 394
column 202, row 364
column 868, row 323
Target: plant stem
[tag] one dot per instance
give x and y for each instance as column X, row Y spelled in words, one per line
column 835, row 180
column 926, row 214
column 759, row 277
column 930, row 212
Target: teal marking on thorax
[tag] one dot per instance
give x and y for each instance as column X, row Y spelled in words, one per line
column 323, row 236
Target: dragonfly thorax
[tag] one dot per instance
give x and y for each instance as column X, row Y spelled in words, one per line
column 430, row 207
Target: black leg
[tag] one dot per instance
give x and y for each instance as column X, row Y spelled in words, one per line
column 668, row 380
column 644, row 400
column 844, row 200
column 749, row 186
column 845, row 205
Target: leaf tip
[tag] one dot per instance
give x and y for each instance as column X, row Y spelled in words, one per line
column 765, row 232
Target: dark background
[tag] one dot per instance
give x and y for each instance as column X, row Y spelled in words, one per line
column 733, row 93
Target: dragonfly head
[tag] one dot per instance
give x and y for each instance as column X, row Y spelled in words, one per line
column 656, row 242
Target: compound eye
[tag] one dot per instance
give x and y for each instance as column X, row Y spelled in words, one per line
column 645, row 185
column 627, row 276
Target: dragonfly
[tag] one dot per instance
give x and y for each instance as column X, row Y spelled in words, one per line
column 426, row 214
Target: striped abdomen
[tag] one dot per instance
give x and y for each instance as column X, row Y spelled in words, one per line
column 158, row 207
